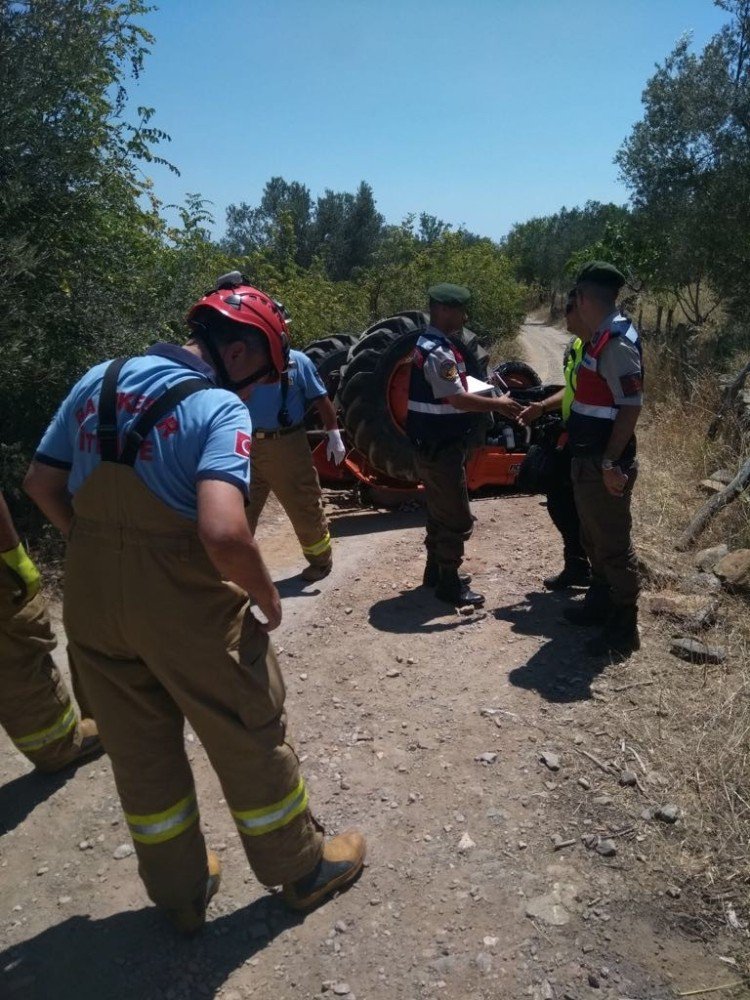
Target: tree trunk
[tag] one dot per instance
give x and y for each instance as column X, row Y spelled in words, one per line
column 712, row 506
column 728, row 400
column 659, row 313
column 640, row 320
column 670, row 319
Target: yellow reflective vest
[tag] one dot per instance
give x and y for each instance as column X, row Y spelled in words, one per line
column 573, row 358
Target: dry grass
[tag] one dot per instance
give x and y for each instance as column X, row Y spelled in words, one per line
column 696, row 727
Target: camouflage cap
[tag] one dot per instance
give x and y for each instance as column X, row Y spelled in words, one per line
column 450, row 295
column 599, row 272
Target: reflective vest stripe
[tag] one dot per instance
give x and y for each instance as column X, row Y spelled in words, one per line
column 318, row 548
column 43, row 737
column 441, row 409
column 256, row 822
column 589, row 410
column 155, row 828
column 571, row 377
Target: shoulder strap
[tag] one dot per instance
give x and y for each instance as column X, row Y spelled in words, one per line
column 107, row 429
column 150, row 417
column 284, row 418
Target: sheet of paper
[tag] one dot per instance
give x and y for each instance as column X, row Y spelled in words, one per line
column 478, row 387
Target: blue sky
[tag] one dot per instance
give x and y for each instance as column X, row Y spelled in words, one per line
column 482, row 112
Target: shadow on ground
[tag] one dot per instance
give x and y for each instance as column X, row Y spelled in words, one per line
column 560, row 670
column 22, row 795
column 412, row 612
column 137, row 955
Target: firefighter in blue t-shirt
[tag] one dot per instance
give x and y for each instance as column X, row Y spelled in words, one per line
column 145, row 470
column 281, row 460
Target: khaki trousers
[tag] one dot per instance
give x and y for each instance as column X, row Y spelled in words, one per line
column 284, row 466
column 449, row 520
column 606, row 524
column 35, row 707
column 158, row 637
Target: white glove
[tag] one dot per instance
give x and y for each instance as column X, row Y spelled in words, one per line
column 335, row 449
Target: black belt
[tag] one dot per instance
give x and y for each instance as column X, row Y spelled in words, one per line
column 280, row 432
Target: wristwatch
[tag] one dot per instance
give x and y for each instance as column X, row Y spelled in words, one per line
column 607, row 464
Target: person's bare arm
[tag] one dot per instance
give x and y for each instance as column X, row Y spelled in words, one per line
column 534, row 411
column 226, row 536
column 8, row 535
column 327, row 413
column 623, row 429
column 48, row 488
column 472, row 403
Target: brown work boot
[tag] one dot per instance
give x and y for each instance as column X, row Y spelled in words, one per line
column 313, row 573
column 91, row 746
column 190, row 918
column 341, row 863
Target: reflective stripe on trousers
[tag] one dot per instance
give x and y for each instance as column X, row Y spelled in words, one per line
column 43, row 737
column 319, row 547
column 155, row 828
column 256, row 822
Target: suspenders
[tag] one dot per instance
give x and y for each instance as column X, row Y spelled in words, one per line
column 144, row 422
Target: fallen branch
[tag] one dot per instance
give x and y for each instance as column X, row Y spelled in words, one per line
column 712, row 506
column 595, row 760
column 710, row 989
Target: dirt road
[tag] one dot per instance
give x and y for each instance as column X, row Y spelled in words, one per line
column 428, row 729
column 544, row 347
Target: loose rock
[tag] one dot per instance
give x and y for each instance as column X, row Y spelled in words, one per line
column 465, row 844
column 667, row 814
column 550, row 760
column 734, row 570
column 607, row 848
column 486, row 758
column 123, row 851
column 628, row 779
column 706, row 559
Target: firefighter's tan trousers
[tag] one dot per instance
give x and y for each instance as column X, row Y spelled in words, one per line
column 35, row 707
column 284, row 466
column 158, row 637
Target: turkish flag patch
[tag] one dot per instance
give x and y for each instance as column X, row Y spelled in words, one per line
column 631, row 385
column 242, row 444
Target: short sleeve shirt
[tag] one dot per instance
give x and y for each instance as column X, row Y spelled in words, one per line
column 207, row 435
column 442, row 366
column 620, row 364
column 305, row 387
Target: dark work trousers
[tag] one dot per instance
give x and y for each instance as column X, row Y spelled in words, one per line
column 561, row 506
column 606, row 525
column 449, row 521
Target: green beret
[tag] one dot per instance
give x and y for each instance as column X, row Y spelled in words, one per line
column 599, row 272
column 450, row 295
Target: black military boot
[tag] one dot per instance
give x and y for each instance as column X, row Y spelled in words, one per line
column 595, row 608
column 620, row 636
column 452, row 590
column 431, row 576
column 574, row 574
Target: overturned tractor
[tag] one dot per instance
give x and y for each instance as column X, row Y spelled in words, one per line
column 368, row 379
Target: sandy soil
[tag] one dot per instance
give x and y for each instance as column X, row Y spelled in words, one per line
column 393, row 701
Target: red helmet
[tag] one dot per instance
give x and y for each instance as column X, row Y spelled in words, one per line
column 236, row 299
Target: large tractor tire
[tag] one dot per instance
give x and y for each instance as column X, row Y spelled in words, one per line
column 517, row 375
column 374, row 390
column 329, row 356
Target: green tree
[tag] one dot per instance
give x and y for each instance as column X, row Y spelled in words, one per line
column 687, row 163
column 81, row 241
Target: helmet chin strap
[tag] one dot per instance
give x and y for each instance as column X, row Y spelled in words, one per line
column 225, row 381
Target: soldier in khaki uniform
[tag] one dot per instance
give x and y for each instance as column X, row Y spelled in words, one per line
column 154, row 452
column 36, row 710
